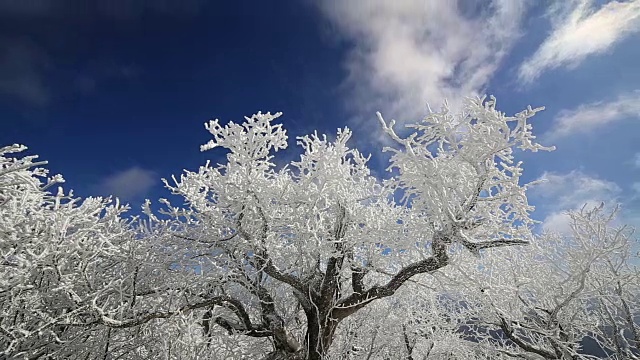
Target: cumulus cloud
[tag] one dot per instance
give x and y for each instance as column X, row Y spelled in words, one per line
column 571, row 191
column 129, row 184
column 579, row 30
column 409, row 52
column 589, row 117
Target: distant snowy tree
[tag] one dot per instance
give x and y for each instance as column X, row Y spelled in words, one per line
column 562, row 291
column 58, row 255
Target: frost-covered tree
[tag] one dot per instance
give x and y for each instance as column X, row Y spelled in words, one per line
column 288, row 254
column 317, row 259
column 562, row 292
column 418, row 322
column 57, row 255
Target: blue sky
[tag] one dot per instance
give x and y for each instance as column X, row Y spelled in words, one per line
column 115, row 93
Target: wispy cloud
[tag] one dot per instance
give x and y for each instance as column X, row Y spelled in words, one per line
column 25, row 68
column 22, row 63
column 92, row 76
column 570, row 191
column 579, row 30
column 120, row 10
column 409, row 52
column 636, row 160
column 131, row 9
column 28, row 8
column 129, row 184
column 589, row 117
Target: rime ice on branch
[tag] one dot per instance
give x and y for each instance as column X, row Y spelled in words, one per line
column 314, row 232
column 313, row 260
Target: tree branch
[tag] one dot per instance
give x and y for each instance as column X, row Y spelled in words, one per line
column 330, row 279
column 236, row 328
column 357, row 301
column 508, row 331
column 264, row 261
column 224, row 301
column 357, row 279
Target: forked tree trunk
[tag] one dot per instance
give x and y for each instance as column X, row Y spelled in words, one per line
column 325, row 309
column 318, row 340
column 320, row 333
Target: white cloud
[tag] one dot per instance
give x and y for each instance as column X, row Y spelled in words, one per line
column 636, row 160
column 579, row 31
column 559, row 222
column 571, row 191
column 129, row 184
column 410, row 52
column 589, row 117
column 574, row 189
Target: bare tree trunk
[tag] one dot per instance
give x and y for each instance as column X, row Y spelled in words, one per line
column 321, row 328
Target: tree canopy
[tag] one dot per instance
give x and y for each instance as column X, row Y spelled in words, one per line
column 318, row 259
